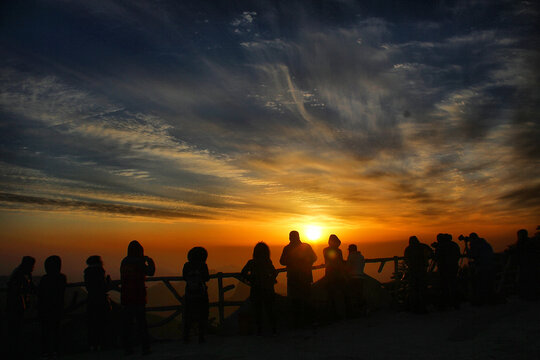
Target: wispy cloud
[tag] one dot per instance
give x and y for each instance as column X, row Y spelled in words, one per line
column 346, row 111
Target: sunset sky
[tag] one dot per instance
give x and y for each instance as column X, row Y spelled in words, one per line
column 183, row 123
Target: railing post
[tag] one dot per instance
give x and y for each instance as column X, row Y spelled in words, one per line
column 396, row 265
column 221, row 298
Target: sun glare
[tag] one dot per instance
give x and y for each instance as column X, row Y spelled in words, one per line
column 313, row 232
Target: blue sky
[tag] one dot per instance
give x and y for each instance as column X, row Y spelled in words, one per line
column 351, row 111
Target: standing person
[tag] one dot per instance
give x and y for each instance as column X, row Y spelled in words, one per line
column 133, row 271
column 19, row 288
column 51, row 291
column 527, row 253
column 447, row 255
column 196, row 304
column 98, row 305
column 417, row 257
column 483, row 270
column 261, row 275
column 355, row 267
column 298, row 257
column 334, row 275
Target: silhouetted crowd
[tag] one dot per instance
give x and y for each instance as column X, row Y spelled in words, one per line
column 343, row 284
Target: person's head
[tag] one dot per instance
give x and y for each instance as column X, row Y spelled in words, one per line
column 448, row 237
column 135, row 249
column 522, row 235
column 440, row 237
column 473, row 236
column 197, row 254
column 94, row 260
column 53, row 265
column 294, row 237
column 261, row 252
column 352, row 248
column 413, row 240
column 27, row 264
column 333, row 241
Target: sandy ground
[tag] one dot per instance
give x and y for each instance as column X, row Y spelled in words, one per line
column 507, row 331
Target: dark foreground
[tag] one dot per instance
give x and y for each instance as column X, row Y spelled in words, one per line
column 506, row 331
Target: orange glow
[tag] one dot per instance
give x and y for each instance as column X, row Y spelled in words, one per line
column 75, row 236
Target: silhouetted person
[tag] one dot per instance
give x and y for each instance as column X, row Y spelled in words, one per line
column 298, row 257
column 133, row 271
column 19, row 288
column 261, row 275
column 447, row 255
column 196, row 305
column 417, row 257
column 483, row 270
column 98, row 305
column 334, row 274
column 527, row 253
column 355, row 268
column 51, row 291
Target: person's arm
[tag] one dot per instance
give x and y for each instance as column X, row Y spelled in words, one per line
column 283, row 260
column 406, row 256
column 149, row 266
column 206, row 273
column 274, row 271
column 184, row 271
column 246, row 271
column 313, row 255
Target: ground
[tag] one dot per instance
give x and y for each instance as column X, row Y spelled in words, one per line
column 506, row 331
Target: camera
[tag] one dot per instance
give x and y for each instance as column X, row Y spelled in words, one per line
column 464, row 238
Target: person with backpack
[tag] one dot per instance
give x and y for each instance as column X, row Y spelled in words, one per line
column 196, row 305
column 261, row 275
column 133, row 272
column 51, row 290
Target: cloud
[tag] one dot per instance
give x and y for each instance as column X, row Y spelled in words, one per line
column 112, row 209
column 347, row 110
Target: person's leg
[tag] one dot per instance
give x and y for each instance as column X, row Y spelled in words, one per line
column 91, row 317
column 56, row 333
column 45, row 337
column 127, row 329
column 270, row 311
column 294, row 302
column 257, row 310
column 14, row 324
column 186, row 319
column 203, row 319
column 142, row 328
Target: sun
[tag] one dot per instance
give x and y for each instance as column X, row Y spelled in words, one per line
column 313, row 232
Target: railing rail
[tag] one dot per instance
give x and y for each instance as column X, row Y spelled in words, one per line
column 221, row 304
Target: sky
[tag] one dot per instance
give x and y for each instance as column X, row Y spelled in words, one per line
column 224, row 123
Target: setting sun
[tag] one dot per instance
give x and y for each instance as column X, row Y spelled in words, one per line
column 313, row 232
